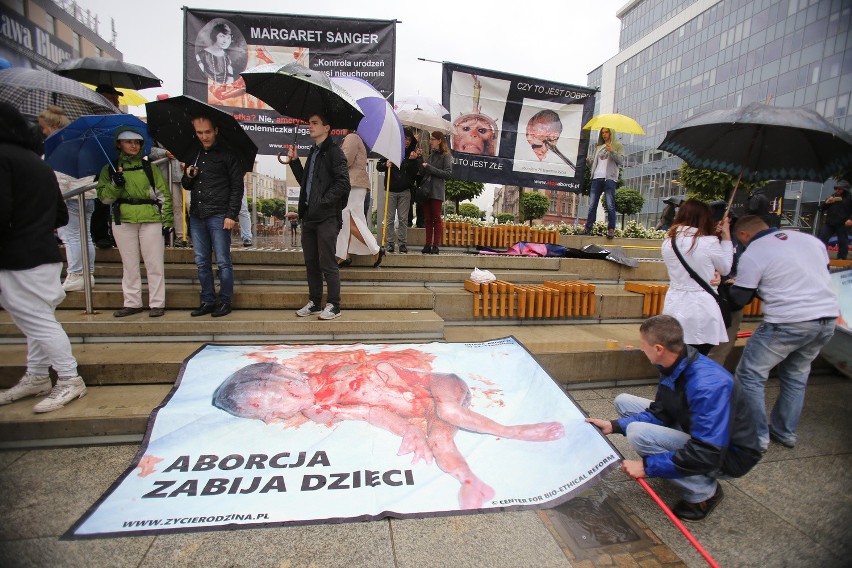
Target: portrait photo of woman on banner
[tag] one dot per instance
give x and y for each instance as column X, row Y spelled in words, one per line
column 220, row 53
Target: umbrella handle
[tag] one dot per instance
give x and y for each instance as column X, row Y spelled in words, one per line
column 385, row 216
column 109, row 160
column 742, row 169
column 285, row 160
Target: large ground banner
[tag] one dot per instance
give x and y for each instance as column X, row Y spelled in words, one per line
column 273, row 435
column 517, row 130
column 219, row 45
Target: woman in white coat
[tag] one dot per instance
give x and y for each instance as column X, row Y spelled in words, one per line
column 706, row 253
column 355, row 236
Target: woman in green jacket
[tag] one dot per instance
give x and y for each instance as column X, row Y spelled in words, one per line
column 141, row 207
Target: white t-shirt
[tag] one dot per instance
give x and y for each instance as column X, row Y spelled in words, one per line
column 600, row 170
column 789, row 271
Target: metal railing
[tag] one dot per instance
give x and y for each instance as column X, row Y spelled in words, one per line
column 77, row 193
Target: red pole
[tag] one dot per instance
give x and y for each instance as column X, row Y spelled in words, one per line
column 677, row 523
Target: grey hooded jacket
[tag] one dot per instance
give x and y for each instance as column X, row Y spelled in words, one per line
column 614, row 159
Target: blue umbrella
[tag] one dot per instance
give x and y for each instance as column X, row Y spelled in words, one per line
column 86, row 145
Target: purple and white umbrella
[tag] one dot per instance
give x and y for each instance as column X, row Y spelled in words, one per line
column 380, row 128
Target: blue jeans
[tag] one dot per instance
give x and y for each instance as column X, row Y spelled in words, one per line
column 210, row 237
column 70, row 235
column 792, row 347
column 607, row 187
column 648, row 439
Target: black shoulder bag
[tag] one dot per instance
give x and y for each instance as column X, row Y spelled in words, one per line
column 724, row 306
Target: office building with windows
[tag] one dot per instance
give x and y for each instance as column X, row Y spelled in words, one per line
column 679, row 58
column 40, row 34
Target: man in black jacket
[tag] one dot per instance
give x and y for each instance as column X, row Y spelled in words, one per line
column 31, row 207
column 215, row 181
column 325, row 189
column 402, row 178
column 838, row 218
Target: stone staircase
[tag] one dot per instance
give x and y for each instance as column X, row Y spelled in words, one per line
column 130, row 364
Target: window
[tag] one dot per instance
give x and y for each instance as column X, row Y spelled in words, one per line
column 50, row 24
column 75, row 43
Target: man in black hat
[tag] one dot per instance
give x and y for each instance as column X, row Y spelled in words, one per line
column 838, row 218
column 110, row 93
column 668, row 215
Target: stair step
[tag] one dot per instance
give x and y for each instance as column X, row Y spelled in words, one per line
column 104, row 411
column 184, row 296
column 241, row 325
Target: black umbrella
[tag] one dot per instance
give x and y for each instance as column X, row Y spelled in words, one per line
column 760, row 142
column 296, row 91
column 31, row 90
column 170, row 124
column 106, row 71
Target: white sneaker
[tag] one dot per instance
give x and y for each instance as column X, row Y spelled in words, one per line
column 28, row 385
column 73, row 282
column 330, row 312
column 309, row 309
column 64, row 392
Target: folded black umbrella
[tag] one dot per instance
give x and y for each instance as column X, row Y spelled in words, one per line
column 170, row 124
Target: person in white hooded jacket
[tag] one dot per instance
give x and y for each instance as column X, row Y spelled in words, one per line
column 695, row 235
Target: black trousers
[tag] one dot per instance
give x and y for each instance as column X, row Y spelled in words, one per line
column 842, row 233
column 318, row 244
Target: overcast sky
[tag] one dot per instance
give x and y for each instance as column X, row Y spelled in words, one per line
column 556, row 40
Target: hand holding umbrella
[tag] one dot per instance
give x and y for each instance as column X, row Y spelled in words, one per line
column 296, row 91
column 760, row 142
column 85, row 146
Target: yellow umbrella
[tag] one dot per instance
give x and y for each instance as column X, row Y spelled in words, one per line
column 128, row 97
column 618, row 122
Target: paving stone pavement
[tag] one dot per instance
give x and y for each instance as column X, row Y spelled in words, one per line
column 794, row 509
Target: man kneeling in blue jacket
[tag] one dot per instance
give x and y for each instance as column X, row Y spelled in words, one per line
column 696, row 430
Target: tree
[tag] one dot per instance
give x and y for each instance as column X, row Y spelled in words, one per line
column 628, row 202
column 504, row 218
column 470, row 211
column 534, row 205
column 709, row 185
column 458, row 191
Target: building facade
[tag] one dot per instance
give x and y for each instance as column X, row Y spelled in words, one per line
column 41, row 34
column 679, row 58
